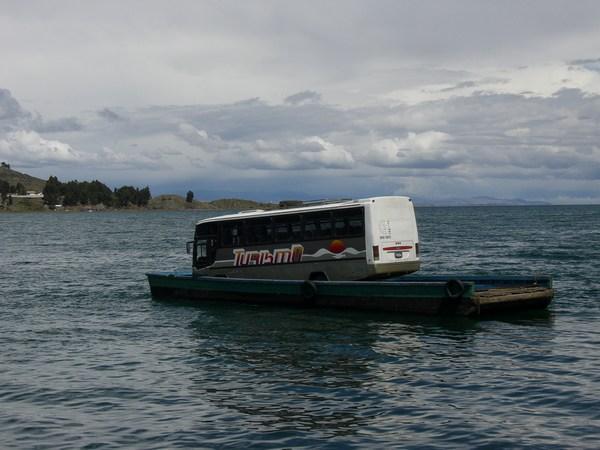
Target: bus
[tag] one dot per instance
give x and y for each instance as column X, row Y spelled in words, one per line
column 344, row 240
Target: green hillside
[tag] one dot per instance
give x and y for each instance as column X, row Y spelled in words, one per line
column 71, row 194
column 236, row 203
column 176, row 202
column 13, row 177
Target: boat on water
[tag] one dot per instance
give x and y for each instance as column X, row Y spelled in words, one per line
column 437, row 295
column 352, row 254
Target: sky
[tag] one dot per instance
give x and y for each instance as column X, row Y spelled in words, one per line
column 276, row 100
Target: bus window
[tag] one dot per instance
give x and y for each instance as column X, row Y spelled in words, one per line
column 231, row 233
column 340, row 226
column 325, row 226
column 348, row 222
column 296, row 227
column 317, row 225
column 207, row 229
column 281, row 229
column 259, row 231
column 310, row 227
column 356, row 225
column 201, row 249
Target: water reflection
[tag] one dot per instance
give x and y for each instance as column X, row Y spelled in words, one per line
column 288, row 367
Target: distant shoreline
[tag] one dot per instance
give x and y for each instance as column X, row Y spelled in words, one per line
column 83, row 209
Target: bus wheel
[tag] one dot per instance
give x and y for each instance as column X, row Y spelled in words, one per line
column 455, row 289
column 308, row 290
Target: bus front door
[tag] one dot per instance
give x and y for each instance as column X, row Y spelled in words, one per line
column 205, row 252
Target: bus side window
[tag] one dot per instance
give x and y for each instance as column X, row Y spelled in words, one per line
column 325, row 226
column 226, row 239
column 355, row 225
column 310, row 228
column 281, row 229
column 339, row 226
column 348, row 222
column 296, row 227
column 259, row 231
column 317, row 225
column 231, row 234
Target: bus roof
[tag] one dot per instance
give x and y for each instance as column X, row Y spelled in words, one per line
column 277, row 212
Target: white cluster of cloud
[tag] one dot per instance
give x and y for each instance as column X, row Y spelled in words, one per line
column 298, row 154
column 294, row 154
column 29, row 149
column 416, row 150
column 542, row 80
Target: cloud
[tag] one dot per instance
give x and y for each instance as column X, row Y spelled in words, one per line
column 498, row 144
column 417, row 150
column 518, row 132
column 9, row 106
column 28, row 148
column 303, row 97
column 61, row 125
column 294, row 154
column 110, row 115
column 198, row 138
column 12, row 115
column 588, row 64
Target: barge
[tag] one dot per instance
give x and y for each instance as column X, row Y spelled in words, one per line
column 433, row 295
column 340, row 254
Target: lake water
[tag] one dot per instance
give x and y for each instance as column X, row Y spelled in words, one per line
column 89, row 360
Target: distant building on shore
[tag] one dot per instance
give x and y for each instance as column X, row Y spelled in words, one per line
column 29, row 194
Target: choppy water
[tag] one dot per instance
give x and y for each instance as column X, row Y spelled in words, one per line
column 89, row 360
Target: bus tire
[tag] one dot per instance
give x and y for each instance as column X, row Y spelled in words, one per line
column 308, row 291
column 455, row 289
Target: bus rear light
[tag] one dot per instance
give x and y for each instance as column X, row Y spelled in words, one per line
column 376, row 252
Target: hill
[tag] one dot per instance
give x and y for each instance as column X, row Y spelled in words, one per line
column 177, row 202
column 13, row 177
column 236, row 203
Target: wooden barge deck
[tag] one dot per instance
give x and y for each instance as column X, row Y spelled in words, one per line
column 443, row 294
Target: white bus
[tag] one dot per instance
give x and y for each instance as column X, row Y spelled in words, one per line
column 345, row 240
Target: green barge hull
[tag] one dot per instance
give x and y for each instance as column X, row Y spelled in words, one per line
column 434, row 295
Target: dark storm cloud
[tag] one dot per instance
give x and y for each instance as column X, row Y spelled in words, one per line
column 243, row 120
column 303, row 97
column 472, row 84
column 10, row 109
column 12, row 115
column 589, row 64
column 110, row 115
